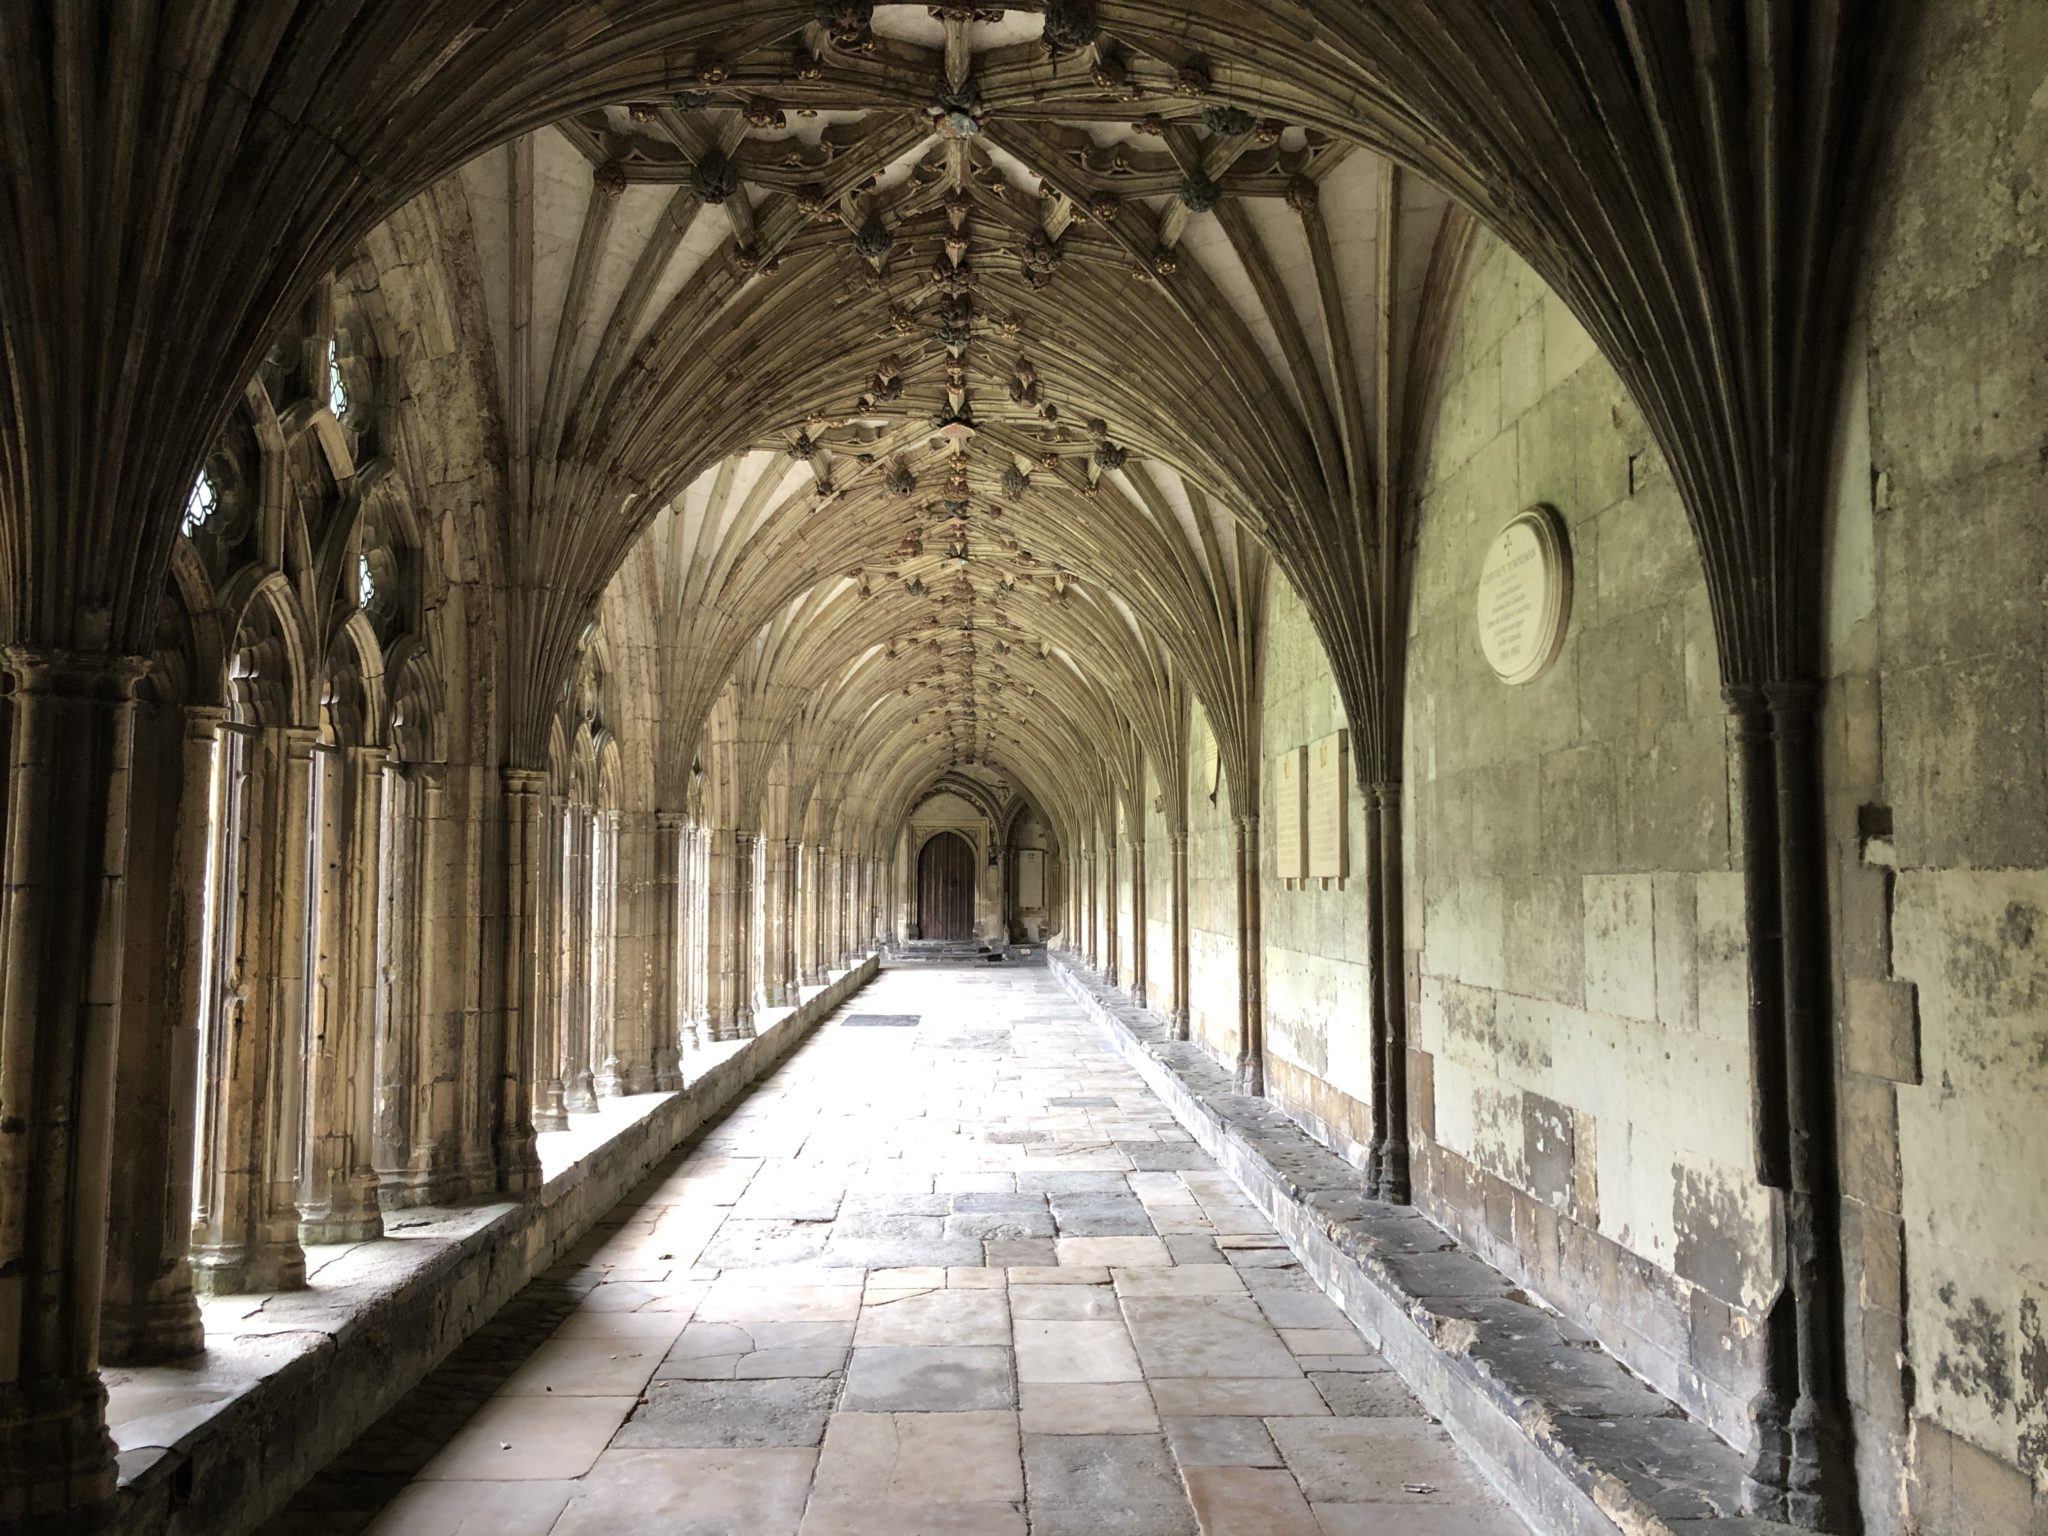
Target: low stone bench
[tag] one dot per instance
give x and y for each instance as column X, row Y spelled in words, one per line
column 215, row 1445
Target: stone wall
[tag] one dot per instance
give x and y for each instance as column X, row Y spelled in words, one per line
column 1572, row 886
column 1033, row 924
column 1159, row 993
column 1212, row 906
column 1318, row 964
column 1938, row 771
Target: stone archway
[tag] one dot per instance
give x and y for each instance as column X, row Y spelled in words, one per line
column 945, row 887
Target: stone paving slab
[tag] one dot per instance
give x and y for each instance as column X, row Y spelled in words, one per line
column 1519, row 1383
column 880, row 1298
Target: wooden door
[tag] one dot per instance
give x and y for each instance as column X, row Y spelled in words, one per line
column 945, row 888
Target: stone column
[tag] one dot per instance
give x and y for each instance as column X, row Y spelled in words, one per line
column 579, row 1087
column 339, row 1198
column 792, row 920
column 744, row 845
column 246, row 1226
column 719, row 967
column 462, row 942
column 816, row 957
column 149, row 1312
column 525, row 1103
column 773, row 912
column 556, row 912
column 69, row 723
column 1094, row 912
column 697, row 909
column 842, row 927
column 611, row 1047
column 1138, row 935
column 670, row 999
column 1251, row 1020
column 1179, row 917
column 401, row 968
column 1112, row 911
column 1384, row 866
column 1076, row 904
column 870, row 912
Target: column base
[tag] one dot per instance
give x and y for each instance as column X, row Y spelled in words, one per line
column 334, row 1229
column 610, row 1082
column 579, row 1095
column 1789, row 1472
column 155, row 1330
column 478, row 1177
column 428, row 1182
column 742, row 1024
column 351, row 1215
column 518, row 1170
column 1251, row 1076
column 57, row 1468
column 248, row 1271
column 551, row 1114
column 1393, row 1173
column 1180, row 1024
column 668, row 1070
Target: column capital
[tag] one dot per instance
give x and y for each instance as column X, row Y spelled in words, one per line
column 203, row 721
column 671, row 821
column 524, row 781
column 49, row 670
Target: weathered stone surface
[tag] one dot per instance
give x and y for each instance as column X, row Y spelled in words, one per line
column 930, row 1379
column 1104, row 1485
column 680, row 1414
column 903, row 1399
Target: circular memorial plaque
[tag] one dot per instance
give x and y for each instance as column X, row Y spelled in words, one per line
column 1525, row 595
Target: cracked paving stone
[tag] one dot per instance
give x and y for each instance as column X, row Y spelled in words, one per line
column 963, row 1280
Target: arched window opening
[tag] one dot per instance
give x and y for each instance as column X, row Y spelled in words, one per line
column 200, row 505
column 337, row 386
column 254, row 1016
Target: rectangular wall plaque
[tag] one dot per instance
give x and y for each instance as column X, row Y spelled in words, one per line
column 1290, row 813
column 1329, row 808
column 1030, row 878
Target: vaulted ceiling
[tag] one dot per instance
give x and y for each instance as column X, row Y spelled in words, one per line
column 956, row 391
column 850, row 231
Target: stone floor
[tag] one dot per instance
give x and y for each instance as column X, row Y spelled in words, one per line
column 954, row 1274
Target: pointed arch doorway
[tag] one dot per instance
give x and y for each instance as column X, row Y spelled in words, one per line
column 945, row 887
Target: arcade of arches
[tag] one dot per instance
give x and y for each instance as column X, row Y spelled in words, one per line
column 535, row 535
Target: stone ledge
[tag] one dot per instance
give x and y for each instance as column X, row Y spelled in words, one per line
column 216, row 1445
column 1576, row 1442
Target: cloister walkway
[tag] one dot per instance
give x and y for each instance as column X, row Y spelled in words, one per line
column 951, row 1271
